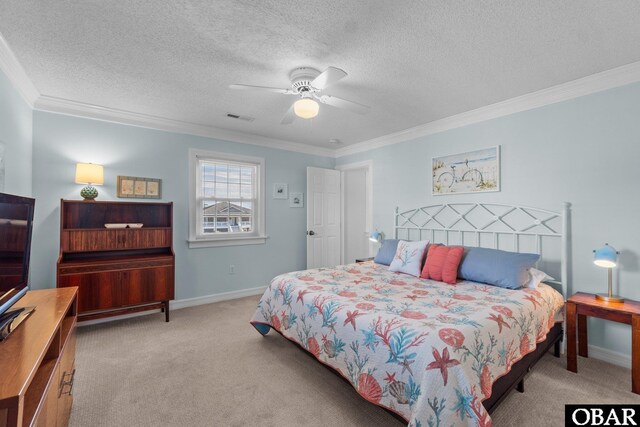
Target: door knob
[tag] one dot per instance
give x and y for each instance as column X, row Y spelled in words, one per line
column 311, row 233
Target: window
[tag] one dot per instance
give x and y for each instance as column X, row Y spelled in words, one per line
column 227, row 205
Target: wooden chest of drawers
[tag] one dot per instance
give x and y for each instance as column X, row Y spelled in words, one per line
column 117, row 271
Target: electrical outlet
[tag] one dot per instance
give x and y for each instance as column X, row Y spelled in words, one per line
column 232, row 269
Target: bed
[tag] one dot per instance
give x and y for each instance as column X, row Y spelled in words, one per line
column 430, row 352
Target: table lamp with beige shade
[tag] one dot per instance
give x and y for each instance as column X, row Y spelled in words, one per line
column 90, row 174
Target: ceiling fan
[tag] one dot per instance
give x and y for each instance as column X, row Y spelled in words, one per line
column 308, row 84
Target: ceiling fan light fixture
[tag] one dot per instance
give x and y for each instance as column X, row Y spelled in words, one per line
column 308, row 85
column 306, row 108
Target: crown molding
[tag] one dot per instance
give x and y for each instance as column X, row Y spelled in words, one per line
column 15, row 73
column 609, row 79
column 68, row 107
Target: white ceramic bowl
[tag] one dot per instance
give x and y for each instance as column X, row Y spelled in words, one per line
column 116, row 225
column 138, row 225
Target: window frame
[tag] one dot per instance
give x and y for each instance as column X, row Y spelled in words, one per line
column 258, row 235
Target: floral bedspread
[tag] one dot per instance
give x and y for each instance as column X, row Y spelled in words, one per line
column 426, row 350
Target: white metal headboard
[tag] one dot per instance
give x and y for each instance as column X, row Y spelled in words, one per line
column 507, row 227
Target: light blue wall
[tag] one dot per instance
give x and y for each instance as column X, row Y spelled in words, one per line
column 61, row 141
column 585, row 151
column 15, row 133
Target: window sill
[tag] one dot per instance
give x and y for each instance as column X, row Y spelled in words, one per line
column 228, row 241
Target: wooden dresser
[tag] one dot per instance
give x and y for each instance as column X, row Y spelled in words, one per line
column 122, row 270
column 38, row 362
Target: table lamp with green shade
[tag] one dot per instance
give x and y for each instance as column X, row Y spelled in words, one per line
column 90, row 174
column 607, row 257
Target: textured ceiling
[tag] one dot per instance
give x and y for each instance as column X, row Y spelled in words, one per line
column 412, row 61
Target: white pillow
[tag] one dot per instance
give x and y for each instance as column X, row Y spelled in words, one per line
column 537, row 276
column 409, row 256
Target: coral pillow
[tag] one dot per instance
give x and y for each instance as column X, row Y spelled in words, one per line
column 409, row 257
column 442, row 263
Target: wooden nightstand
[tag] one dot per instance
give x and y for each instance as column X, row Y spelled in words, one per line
column 359, row 260
column 581, row 305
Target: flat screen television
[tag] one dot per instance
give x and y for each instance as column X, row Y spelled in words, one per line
column 16, row 224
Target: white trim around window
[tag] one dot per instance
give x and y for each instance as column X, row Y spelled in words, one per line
column 258, row 233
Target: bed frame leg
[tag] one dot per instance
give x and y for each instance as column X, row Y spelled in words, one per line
column 556, row 348
column 520, row 386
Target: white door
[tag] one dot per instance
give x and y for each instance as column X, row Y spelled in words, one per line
column 355, row 227
column 323, row 217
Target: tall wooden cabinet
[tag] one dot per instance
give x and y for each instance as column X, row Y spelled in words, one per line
column 37, row 362
column 117, row 270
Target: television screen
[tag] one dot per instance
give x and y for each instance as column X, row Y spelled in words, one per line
column 16, row 217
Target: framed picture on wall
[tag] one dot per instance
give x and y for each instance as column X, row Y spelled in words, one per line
column 296, row 200
column 471, row 172
column 153, row 188
column 139, row 188
column 125, row 186
column 280, row 191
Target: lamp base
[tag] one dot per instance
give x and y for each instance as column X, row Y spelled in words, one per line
column 607, row 298
column 89, row 193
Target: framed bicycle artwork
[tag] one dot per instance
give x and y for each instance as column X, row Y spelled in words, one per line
column 471, row 172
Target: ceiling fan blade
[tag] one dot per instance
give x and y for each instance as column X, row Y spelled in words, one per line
column 334, row 101
column 289, row 116
column 328, row 77
column 264, row 88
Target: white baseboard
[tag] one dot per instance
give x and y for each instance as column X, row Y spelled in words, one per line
column 184, row 303
column 114, row 318
column 609, row 356
column 209, row 299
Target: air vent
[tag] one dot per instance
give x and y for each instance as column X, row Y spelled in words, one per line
column 239, row 117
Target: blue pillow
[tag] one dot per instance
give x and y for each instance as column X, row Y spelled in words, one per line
column 386, row 252
column 494, row 267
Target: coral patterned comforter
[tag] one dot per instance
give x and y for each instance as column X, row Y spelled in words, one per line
column 426, row 350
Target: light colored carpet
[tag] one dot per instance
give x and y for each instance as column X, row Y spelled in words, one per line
column 209, row 367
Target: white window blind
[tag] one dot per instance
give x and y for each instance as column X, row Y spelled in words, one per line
column 227, row 204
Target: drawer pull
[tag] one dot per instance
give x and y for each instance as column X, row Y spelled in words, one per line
column 69, row 383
